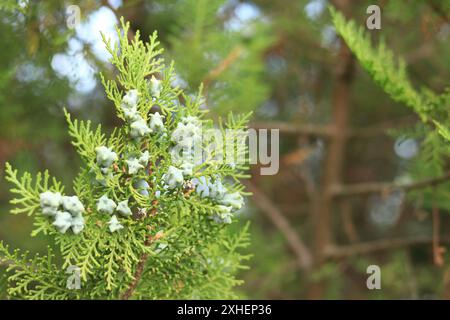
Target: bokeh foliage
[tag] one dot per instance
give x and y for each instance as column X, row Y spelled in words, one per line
column 280, row 64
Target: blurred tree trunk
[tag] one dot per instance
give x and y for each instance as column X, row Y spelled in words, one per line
column 331, row 176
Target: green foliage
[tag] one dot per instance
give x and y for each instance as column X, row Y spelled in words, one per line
column 84, row 139
column 388, row 73
column 29, row 86
column 432, row 108
column 175, row 244
column 35, row 278
column 27, row 195
column 405, row 275
column 232, row 64
column 10, row 5
column 200, row 275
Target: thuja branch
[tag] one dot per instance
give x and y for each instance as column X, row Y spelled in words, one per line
column 137, row 277
column 134, row 185
column 140, row 268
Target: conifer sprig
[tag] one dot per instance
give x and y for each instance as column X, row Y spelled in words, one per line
column 141, row 223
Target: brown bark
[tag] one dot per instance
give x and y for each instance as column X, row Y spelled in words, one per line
column 334, row 160
column 359, row 189
column 137, row 277
column 337, row 252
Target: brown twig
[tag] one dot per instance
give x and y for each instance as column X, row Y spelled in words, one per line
column 379, row 245
column 296, row 244
column 439, row 11
column 358, row 189
column 325, row 131
column 302, row 129
column 225, row 64
column 438, row 251
column 381, row 129
column 139, row 270
column 137, row 277
column 347, row 221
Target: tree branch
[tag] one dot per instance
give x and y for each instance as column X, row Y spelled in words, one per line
column 325, row 131
column 438, row 251
column 296, row 244
column 139, row 269
column 302, row 129
column 386, row 187
column 225, row 64
column 137, row 277
column 379, row 245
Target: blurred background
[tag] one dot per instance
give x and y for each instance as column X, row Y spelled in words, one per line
column 330, row 212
